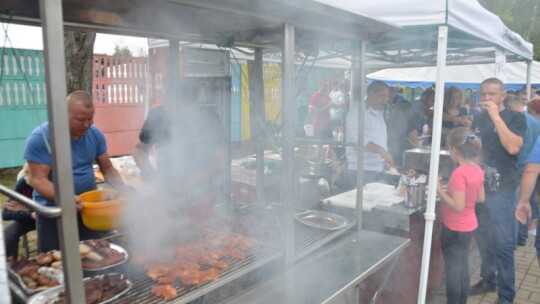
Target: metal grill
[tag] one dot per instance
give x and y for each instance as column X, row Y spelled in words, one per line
column 256, row 257
column 308, row 239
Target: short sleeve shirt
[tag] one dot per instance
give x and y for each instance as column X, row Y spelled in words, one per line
column 493, row 153
column 467, row 178
column 84, row 152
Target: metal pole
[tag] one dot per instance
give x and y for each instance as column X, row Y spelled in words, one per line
column 358, row 75
column 53, row 48
column 288, row 183
column 434, row 162
column 529, row 71
column 256, row 88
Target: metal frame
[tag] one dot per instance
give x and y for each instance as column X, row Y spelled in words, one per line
column 280, row 23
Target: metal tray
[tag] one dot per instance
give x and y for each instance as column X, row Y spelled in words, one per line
column 117, row 248
column 321, row 219
column 14, row 277
column 50, row 295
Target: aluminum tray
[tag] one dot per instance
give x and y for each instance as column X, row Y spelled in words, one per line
column 14, row 277
column 117, row 248
column 321, row 219
column 50, row 295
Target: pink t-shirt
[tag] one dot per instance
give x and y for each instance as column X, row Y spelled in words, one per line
column 467, row 178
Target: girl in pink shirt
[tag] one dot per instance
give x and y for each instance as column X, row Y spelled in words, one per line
column 465, row 189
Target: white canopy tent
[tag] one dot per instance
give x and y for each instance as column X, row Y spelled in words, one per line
column 463, row 77
column 436, row 33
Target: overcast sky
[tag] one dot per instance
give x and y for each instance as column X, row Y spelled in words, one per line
column 30, row 37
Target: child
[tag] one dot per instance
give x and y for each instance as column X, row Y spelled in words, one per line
column 465, row 188
column 20, row 219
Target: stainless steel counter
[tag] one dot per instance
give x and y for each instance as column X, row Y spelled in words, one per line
column 395, row 216
column 330, row 275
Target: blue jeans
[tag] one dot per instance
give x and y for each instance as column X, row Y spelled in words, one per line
column 455, row 249
column 496, row 237
column 48, row 238
column 13, row 231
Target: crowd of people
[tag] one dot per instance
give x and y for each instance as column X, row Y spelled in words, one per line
column 496, row 147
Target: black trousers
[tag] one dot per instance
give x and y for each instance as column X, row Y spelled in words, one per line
column 455, row 249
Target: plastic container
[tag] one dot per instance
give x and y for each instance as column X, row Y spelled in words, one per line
column 102, row 209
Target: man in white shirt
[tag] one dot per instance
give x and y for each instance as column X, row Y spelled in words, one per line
column 376, row 154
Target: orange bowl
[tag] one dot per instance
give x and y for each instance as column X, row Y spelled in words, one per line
column 102, row 209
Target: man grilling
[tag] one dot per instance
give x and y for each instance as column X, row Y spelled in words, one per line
column 190, row 163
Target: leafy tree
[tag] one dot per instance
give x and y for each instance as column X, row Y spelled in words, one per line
column 122, row 51
column 521, row 16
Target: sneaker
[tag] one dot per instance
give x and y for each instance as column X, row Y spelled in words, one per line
column 481, row 287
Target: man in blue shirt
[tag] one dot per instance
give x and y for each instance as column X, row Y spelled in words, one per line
column 87, row 145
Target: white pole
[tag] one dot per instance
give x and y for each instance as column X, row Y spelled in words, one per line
column 529, row 70
column 434, row 162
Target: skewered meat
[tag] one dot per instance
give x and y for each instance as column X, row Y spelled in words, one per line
column 167, row 291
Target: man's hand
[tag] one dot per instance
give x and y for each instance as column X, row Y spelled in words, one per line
column 78, row 203
column 490, row 107
column 388, row 160
column 15, row 206
column 523, row 212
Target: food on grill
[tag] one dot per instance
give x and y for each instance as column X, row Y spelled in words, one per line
column 99, row 289
column 167, row 291
column 192, row 264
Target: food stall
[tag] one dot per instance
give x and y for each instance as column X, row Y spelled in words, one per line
column 283, row 26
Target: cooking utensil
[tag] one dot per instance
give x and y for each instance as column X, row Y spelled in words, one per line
column 321, row 219
column 50, row 295
column 320, row 167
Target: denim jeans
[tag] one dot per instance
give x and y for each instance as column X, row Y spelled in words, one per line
column 455, row 249
column 47, row 232
column 496, row 237
column 13, row 231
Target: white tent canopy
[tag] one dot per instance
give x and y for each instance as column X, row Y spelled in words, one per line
column 473, row 32
column 464, row 77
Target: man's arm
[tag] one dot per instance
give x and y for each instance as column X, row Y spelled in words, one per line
column 112, row 177
column 526, row 188
column 39, row 179
column 374, row 148
column 140, row 154
column 510, row 141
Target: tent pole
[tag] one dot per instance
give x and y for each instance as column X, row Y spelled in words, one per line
column 529, row 71
column 434, row 162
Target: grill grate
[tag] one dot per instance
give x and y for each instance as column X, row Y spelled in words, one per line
column 256, row 257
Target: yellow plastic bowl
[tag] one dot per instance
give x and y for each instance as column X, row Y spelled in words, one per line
column 102, row 209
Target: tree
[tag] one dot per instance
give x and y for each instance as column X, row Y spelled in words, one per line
column 122, row 51
column 79, row 49
column 521, row 17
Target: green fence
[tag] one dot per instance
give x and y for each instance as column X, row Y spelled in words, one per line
column 23, row 103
